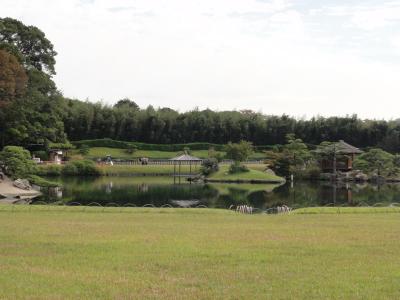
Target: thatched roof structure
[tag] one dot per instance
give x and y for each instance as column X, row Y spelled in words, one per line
column 345, row 148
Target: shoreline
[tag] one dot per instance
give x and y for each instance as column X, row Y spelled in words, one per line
column 11, row 194
column 252, row 181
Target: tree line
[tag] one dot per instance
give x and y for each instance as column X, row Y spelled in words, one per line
column 33, row 111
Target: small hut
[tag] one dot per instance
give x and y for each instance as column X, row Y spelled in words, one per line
column 185, row 159
column 347, row 153
column 56, row 155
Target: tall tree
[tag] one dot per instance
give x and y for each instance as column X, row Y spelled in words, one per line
column 126, row 103
column 29, row 43
column 376, row 160
column 35, row 117
column 13, row 78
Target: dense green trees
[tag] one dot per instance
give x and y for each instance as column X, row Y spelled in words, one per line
column 34, row 115
column 293, row 158
column 85, row 120
column 379, row 161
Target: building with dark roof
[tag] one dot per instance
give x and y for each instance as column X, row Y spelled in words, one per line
column 345, row 155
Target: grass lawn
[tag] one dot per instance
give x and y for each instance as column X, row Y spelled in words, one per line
column 197, row 254
column 125, row 170
column 97, row 152
column 252, row 174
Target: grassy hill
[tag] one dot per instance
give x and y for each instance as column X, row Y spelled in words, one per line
column 252, row 175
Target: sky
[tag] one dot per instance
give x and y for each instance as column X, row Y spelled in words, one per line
column 302, row 58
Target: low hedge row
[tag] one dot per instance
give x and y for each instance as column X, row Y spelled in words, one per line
column 156, row 147
column 72, row 168
column 143, row 146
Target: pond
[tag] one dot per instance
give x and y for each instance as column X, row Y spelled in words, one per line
column 163, row 191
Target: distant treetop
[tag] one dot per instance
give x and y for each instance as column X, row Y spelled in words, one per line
column 126, row 102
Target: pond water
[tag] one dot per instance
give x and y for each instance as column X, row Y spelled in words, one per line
column 162, row 191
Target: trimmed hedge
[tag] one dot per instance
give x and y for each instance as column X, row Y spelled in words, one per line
column 143, row 146
column 157, row 147
column 80, row 168
column 49, row 170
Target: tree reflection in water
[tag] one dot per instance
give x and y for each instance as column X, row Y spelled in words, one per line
column 162, row 191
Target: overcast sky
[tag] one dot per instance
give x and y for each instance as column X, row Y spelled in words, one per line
column 302, row 58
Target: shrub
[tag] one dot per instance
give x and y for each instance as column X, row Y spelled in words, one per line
column 81, row 168
column 236, row 167
column 239, row 151
column 49, row 170
column 131, row 149
column 42, row 182
column 215, row 155
column 84, row 149
column 17, row 162
column 209, row 166
column 70, row 169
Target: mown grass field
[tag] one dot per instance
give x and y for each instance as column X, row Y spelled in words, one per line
column 98, row 152
column 126, row 170
column 197, row 254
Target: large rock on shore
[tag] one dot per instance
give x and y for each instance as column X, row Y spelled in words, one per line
column 22, row 184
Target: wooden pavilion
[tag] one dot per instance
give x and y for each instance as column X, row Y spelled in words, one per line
column 184, row 159
column 344, row 155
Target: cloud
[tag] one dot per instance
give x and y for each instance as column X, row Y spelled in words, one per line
column 121, row 8
column 294, row 57
column 376, row 17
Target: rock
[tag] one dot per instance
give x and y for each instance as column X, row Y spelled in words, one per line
column 22, row 184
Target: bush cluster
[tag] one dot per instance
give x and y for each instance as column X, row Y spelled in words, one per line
column 81, row 168
column 237, row 168
column 209, row 166
column 49, row 170
column 16, row 162
column 84, row 149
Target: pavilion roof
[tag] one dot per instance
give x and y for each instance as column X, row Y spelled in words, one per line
column 186, row 157
column 345, row 148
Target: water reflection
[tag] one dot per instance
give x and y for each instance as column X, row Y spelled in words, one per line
column 161, row 191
